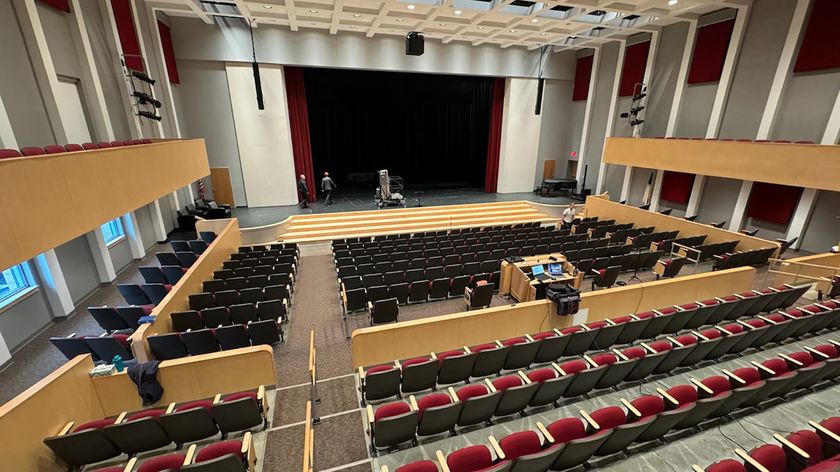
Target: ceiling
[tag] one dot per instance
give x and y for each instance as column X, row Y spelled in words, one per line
column 563, row 24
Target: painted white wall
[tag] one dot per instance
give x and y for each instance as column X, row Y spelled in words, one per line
column 69, row 98
column 520, row 137
column 263, row 136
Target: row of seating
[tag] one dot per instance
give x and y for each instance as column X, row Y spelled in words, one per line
column 583, row 225
column 167, row 274
column 102, row 348
column 146, row 430
column 690, row 241
column 806, row 450
column 204, row 341
column 183, row 259
column 258, row 254
column 144, row 294
column 710, row 250
column 752, row 257
column 646, row 239
column 268, row 247
column 570, row 442
column 225, row 456
column 241, row 313
column 370, row 276
column 634, row 261
column 459, row 365
column 120, row 318
column 255, row 293
column 31, row 151
column 197, row 246
column 520, row 228
column 617, row 231
column 744, row 140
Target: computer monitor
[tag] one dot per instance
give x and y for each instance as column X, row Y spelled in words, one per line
column 555, row 269
column 537, row 270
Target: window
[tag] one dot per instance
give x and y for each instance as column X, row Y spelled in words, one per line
column 14, row 281
column 113, row 231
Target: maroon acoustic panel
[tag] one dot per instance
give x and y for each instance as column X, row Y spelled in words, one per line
column 676, row 187
column 62, row 5
column 820, row 48
column 168, row 53
column 710, row 52
column 772, row 202
column 633, row 72
column 124, row 19
column 583, row 72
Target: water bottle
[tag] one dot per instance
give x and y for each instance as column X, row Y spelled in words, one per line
column 118, row 363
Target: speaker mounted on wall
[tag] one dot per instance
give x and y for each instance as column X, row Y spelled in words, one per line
column 414, row 44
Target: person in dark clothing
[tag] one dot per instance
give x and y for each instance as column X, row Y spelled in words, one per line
column 303, row 192
column 327, row 186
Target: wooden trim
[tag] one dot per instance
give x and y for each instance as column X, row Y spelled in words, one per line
column 789, row 445
column 308, row 443
column 749, row 460
column 500, row 454
column 76, row 192
column 444, row 467
column 546, row 434
column 667, row 396
column 822, row 429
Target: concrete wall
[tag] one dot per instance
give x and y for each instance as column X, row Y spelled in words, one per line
column 79, row 269
column 120, row 254
column 719, row 197
column 520, row 137
column 21, row 321
column 824, row 226
column 664, row 77
column 601, row 95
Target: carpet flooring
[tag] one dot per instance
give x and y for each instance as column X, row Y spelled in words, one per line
column 290, row 405
column 338, row 441
column 284, row 450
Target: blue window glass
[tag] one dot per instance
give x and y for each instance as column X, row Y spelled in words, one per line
column 112, row 231
column 14, row 280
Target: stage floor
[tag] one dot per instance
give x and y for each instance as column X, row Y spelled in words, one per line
column 250, row 217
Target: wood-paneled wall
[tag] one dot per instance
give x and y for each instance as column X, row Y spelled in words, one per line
column 49, row 200
column 418, row 337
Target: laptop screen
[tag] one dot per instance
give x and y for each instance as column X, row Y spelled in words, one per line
column 555, row 269
column 537, row 270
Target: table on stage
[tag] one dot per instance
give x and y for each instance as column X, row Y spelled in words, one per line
column 516, row 278
column 548, row 185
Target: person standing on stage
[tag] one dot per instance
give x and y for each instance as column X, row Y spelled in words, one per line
column 327, row 186
column 303, row 192
column 569, row 215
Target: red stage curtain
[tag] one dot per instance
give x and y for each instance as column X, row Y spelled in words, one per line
column 633, row 71
column 62, row 5
column 583, row 72
column 128, row 36
column 168, row 53
column 299, row 125
column 710, row 52
column 494, row 142
column 820, row 47
column 676, row 187
column 773, row 203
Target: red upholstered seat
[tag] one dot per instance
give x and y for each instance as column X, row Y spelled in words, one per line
column 734, row 328
column 433, row 400
column 689, row 306
column 419, row 466
column 214, row 451
column 54, row 149
column 153, row 413
column 32, row 151
column 465, row 393
column 828, row 349
column 541, row 375
column 683, row 394
column 686, row 339
column 830, row 304
column 645, row 315
column 415, row 361
column 567, row 429
column 391, row 409
column 605, row 359
column 596, row 324
column 825, row 466
column 730, row 298
column 748, row 294
column 122, row 338
column 514, row 341
column 544, row 335
column 443, row 355
column 379, row 368
column 571, row 329
column 810, row 442
column 727, row 465
column 95, row 424
column 832, row 424
column 573, row 367
column 622, row 319
column 804, row 357
column 771, row 456
column 711, row 333
column 110, row 469
column 206, row 404
column 660, row 346
column 90, row 146
column 756, row 323
column 750, row 375
column 709, row 302
column 9, row 153
column 240, row 395
column 506, row 382
column 634, row 352
column 649, row 405
column 718, row 384
column 484, row 347
column 73, row 147
column 117, row 143
column 794, row 312
column 469, row 459
column 778, row 366
column 520, row 444
column 667, row 311
column 103, row 144
column 776, row 317
column 609, row 417
column 168, row 462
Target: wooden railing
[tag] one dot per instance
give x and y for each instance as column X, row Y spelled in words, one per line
column 313, row 379
column 308, row 441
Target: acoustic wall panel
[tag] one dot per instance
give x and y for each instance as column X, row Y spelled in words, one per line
column 676, row 186
column 772, row 202
column 710, row 52
column 633, row 71
column 583, row 72
column 820, row 48
column 124, row 18
column 168, row 53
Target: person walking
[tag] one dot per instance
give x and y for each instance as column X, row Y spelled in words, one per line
column 303, row 192
column 569, row 215
column 327, row 186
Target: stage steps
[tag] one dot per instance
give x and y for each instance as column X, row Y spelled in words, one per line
column 321, row 227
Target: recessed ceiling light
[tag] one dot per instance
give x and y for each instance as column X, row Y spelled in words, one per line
column 534, row 20
column 513, row 31
column 458, row 12
column 673, row 2
column 356, row 15
column 313, row 11
column 543, row 34
column 268, row 7
column 442, row 24
column 411, row 7
column 655, row 18
column 480, row 27
column 573, row 37
column 400, row 20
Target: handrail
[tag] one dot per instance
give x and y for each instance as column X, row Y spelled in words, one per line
column 308, row 441
column 675, row 252
column 313, row 379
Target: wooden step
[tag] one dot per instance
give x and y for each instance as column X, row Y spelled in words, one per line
column 405, row 212
column 438, row 218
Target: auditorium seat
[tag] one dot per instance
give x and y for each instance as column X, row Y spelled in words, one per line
column 167, row 346
column 479, row 403
column 419, row 373
column 392, row 424
column 90, row 146
column 528, row 450
column 517, row 392
column 438, row 413
column 232, row 336
column 240, row 411
column 104, row 144
column 156, row 292
column 476, row 458
column 72, row 147
column 138, row 432
column 226, row 456
column 107, row 347
column 30, row 151
column 54, row 149
column 108, row 318
column 383, row 311
column 9, row 153
column 82, row 446
column 479, row 297
column 199, row 341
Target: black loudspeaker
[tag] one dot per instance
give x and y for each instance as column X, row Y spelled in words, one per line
column 540, row 85
column 258, row 85
column 414, row 44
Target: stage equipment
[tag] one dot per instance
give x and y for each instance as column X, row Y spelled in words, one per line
column 389, row 192
column 634, row 116
column 414, row 44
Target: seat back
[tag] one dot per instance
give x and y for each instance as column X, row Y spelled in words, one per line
column 72, row 347
column 107, row 347
column 232, row 337
column 384, row 311
column 167, row 346
column 131, row 315
column 482, row 296
column 84, row 447
column 200, row 341
column 140, row 435
column 133, row 294
column 107, row 318
column 264, row 332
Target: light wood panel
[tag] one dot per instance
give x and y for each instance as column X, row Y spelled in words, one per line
column 417, row 337
column 227, row 241
column 193, row 377
column 800, row 165
column 816, row 268
column 42, row 410
column 548, row 168
column 603, row 208
column 222, row 189
column 49, row 200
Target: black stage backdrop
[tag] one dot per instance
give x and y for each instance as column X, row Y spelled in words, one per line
column 431, row 130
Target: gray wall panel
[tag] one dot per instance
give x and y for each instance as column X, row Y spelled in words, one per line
column 823, row 230
column 24, row 319
column 664, row 78
column 79, row 269
column 120, row 255
column 718, row 200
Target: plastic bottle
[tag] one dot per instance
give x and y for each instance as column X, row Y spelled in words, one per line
column 118, row 363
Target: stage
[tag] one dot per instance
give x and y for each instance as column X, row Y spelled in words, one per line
column 251, row 217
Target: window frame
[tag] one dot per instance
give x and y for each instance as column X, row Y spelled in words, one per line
column 116, row 228
column 28, row 284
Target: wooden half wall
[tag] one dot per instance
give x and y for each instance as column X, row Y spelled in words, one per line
column 227, row 241
column 816, row 268
column 70, row 394
column 798, row 165
column 49, row 200
column 605, row 209
column 418, row 337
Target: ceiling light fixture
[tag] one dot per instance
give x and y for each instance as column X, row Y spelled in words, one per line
column 458, row 12
column 411, row 7
column 543, row 34
column 268, row 7
column 400, row 20
column 513, row 31
column 442, row 24
column 534, row 20
column 356, row 15
column 673, row 2
column 313, row 11
column 480, row 27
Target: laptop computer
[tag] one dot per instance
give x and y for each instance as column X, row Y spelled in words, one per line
column 555, row 269
column 539, row 273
